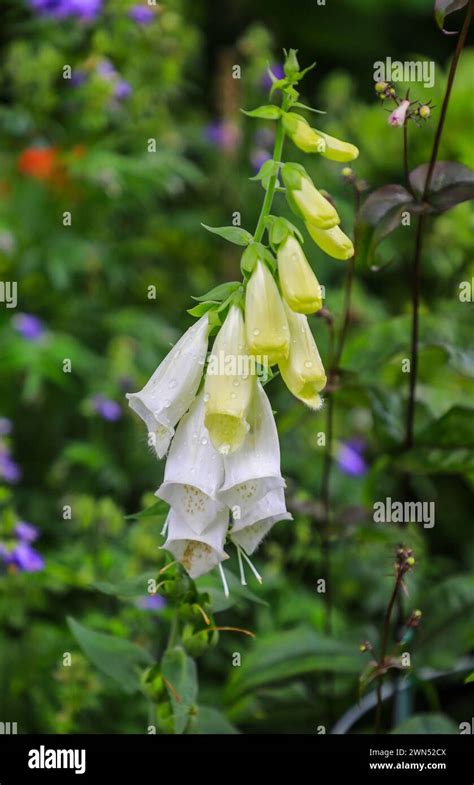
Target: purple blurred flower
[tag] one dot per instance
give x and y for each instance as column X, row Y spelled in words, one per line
column 350, row 458
column 277, row 70
column 9, row 470
column 29, row 326
column 258, row 156
column 60, row 9
column 122, row 89
column 108, row 409
column 78, row 77
column 25, row 558
column 223, row 134
column 106, row 69
column 5, row 426
column 141, row 14
column 26, row 532
column 152, row 602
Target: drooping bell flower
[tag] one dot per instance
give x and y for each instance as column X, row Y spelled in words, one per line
column 399, row 115
column 299, row 284
column 254, row 470
column 194, row 471
column 332, row 241
column 305, row 198
column 265, row 320
column 248, row 531
column 198, row 553
column 172, row 388
column 337, row 150
column 302, row 135
column 228, row 386
column 303, row 371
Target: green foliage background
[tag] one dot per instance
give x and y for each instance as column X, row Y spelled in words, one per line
column 136, row 223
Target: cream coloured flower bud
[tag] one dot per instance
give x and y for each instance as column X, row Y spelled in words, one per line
column 303, row 371
column 229, row 382
column 305, row 198
column 254, row 470
column 299, row 284
column 172, row 388
column 265, row 320
column 194, row 471
column 336, row 150
column 302, row 135
column 198, row 553
column 332, row 241
column 249, row 531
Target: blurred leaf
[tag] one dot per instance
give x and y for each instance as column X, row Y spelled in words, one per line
column 157, row 510
column 219, row 293
column 453, row 429
column 433, row 460
column 451, row 184
column 443, row 634
column 118, row 658
column 267, row 112
column 131, row 587
column 426, row 724
column 180, row 673
column 379, row 216
column 211, row 721
column 211, row 584
column 234, row 234
column 469, row 679
column 283, row 655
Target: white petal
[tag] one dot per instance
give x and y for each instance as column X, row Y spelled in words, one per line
column 194, row 471
column 197, row 553
column 172, row 388
column 249, row 531
column 254, row 470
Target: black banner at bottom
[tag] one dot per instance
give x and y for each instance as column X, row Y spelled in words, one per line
column 93, row 758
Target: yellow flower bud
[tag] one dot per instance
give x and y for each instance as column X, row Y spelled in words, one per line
column 299, row 284
column 228, row 387
column 332, row 241
column 265, row 320
column 336, row 150
column 303, row 371
column 302, row 135
column 314, row 206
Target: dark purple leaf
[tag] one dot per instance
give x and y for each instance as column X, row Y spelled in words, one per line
column 445, row 7
column 379, row 216
column 451, row 184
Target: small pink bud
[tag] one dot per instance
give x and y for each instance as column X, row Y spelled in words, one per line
column 398, row 116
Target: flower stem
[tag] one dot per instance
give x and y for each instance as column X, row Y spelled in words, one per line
column 383, row 649
column 416, row 285
column 270, row 192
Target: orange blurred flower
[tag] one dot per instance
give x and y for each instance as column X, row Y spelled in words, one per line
column 38, row 162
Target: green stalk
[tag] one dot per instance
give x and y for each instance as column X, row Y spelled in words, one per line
column 268, row 201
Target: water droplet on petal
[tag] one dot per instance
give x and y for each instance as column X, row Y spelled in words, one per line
column 172, row 384
column 308, row 364
column 225, row 449
column 203, row 441
column 236, row 383
column 256, row 331
column 206, row 397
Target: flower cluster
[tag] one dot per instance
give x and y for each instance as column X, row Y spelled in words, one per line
column 405, row 109
column 17, row 553
column 222, row 478
column 87, row 10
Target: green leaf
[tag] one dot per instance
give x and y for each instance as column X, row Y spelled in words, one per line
column 180, row 673
column 454, row 429
column 158, row 509
column 267, row 112
column 211, row 721
column 444, row 634
column 469, row 679
column 118, row 658
column 130, row 587
column 267, row 170
column 425, row 724
column 308, row 108
column 288, row 653
column 202, row 308
column 219, row 293
column 451, row 184
column 233, row 234
column 445, row 7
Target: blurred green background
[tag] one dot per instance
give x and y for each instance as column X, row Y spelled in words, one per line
column 80, row 145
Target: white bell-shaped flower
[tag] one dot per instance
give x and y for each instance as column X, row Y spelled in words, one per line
column 198, row 553
column 194, row 471
column 172, row 388
column 249, row 531
column 254, row 470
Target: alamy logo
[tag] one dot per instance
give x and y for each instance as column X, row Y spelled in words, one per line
column 8, row 728
column 389, row 511
column 9, row 293
column 422, row 71
column 43, row 758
